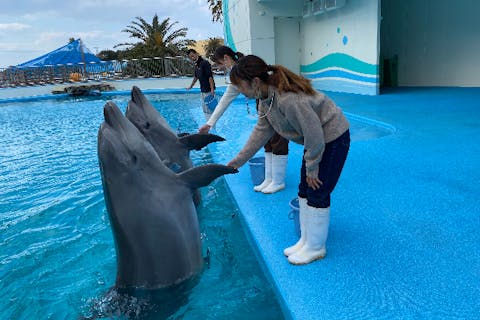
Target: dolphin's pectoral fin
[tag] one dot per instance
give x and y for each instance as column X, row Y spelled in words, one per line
column 197, row 141
column 202, row 176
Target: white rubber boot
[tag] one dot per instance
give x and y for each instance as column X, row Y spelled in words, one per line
column 302, row 204
column 268, row 173
column 279, row 168
column 314, row 248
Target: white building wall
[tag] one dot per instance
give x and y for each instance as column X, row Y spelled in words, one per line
column 437, row 42
column 287, row 42
column 249, row 24
column 236, row 25
column 339, row 48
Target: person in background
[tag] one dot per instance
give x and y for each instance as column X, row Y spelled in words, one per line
column 290, row 106
column 225, row 58
column 203, row 73
column 276, row 149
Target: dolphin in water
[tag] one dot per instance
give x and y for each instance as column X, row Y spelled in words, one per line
column 150, row 207
column 171, row 148
column 174, row 150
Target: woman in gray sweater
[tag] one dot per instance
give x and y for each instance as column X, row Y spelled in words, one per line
column 276, row 149
column 292, row 108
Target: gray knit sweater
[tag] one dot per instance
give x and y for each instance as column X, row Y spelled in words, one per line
column 309, row 120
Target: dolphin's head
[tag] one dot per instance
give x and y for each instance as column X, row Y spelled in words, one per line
column 121, row 146
column 143, row 115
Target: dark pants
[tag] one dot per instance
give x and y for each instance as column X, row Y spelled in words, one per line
column 329, row 171
column 277, row 145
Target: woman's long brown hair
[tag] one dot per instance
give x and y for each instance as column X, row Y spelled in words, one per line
column 250, row 67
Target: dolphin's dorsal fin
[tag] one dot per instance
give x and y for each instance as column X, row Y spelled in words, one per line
column 202, row 176
column 197, row 141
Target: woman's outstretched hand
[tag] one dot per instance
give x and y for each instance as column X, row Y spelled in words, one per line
column 204, row 129
column 231, row 165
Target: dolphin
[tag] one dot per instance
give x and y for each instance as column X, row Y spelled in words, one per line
column 150, row 207
column 171, row 148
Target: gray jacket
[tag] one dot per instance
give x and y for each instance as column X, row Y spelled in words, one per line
column 309, row 120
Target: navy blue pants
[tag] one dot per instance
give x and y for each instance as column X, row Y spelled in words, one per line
column 329, row 171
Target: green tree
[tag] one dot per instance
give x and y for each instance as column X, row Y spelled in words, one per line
column 107, row 55
column 216, row 8
column 155, row 39
column 211, row 45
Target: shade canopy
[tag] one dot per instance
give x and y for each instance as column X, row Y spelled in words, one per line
column 74, row 52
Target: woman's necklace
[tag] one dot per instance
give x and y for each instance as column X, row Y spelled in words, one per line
column 269, row 108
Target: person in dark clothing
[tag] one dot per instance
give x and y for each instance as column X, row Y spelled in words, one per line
column 203, row 73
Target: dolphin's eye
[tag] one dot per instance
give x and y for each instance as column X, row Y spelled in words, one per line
column 147, row 125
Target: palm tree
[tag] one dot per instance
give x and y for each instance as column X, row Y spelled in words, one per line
column 156, row 39
column 107, row 55
column 211, row 45
column 216, row 8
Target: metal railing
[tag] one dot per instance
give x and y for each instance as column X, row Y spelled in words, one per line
column 96, row 71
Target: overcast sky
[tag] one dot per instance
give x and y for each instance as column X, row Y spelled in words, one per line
column 30, row 28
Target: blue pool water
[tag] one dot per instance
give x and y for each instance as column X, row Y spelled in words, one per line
column 57, row 256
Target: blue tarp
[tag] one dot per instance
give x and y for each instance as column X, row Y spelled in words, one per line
column 74, row 52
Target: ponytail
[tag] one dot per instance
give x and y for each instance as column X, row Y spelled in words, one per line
column 221, row 51
column 238, row 55
column 250, row 67
column 287, row 81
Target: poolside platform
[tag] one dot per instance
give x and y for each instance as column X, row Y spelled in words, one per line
column 404, row 240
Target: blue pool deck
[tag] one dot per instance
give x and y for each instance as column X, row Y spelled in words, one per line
column 404, row 239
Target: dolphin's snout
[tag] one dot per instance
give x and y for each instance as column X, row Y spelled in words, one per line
column 135, row 94
column 107, row 112
column 112, row 114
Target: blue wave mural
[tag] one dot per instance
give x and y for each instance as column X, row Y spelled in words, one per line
column 342, row 72
column 341, row 60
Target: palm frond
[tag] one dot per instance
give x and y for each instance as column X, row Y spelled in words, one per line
column 155, row 38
